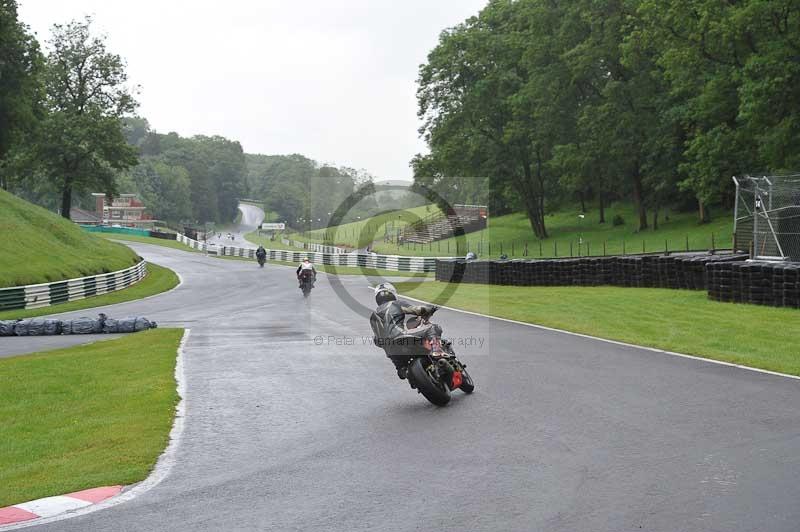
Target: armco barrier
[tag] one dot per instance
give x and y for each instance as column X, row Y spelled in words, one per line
column 319, row 248
column 46, row 294
column 363, row 260
column 194, row 244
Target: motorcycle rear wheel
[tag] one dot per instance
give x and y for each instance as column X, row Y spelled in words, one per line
column 434, row 391
column 467, row 385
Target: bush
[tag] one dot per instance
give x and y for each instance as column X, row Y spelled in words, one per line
column 618, row 220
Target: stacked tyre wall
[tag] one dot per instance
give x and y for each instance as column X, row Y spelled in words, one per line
column 729, row 277
column 656, row 271
column 759, row 283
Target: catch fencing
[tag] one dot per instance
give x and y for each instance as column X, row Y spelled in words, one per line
column 767, row 216
column 46, row 294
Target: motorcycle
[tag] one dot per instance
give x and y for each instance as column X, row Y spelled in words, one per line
column 433, row 368
column 306, row 279
column 261, row 260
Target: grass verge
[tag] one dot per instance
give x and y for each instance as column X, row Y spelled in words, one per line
column 174, row 244
column 675, row 320
column 159, row 279
column 86, row 416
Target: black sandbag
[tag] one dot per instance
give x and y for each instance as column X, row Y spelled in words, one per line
column 7, row 327
column 31, row 327
column 82, row 326
column 134, row 324
column 52, row 327
column 143, row 324
column 110, row 326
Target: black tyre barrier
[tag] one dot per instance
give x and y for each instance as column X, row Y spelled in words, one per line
column 165, row 236
column 657, row 271
column 726, row 277
column 758, row 283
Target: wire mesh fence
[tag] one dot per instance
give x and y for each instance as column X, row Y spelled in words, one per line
column 767, row 216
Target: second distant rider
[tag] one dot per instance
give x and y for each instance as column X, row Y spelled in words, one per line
column 304, row 267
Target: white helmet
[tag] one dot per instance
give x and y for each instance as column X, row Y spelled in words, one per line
column 385, row 292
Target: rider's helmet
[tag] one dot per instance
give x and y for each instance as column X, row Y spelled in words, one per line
column 306, row 260
column 385, row 292
column 471, row 256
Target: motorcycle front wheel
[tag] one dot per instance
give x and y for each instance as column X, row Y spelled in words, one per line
column 431, row 387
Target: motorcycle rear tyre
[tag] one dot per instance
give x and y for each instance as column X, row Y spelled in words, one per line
column 436, row 393
column 467, row 385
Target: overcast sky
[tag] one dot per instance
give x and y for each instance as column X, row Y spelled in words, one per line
column 334, row 80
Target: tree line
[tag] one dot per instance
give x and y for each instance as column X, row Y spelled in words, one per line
column 69, row 129
column 659, row 101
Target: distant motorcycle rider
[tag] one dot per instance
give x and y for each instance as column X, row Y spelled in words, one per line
column 306, row 266
column 389, row 326
column 261, row 253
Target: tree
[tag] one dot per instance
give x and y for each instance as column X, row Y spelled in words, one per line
column 495, row 99
column 82, row 143
column 20, row 84
column 164, row 188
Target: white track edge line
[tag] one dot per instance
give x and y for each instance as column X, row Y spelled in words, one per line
column 163, row 465
column 616, row 342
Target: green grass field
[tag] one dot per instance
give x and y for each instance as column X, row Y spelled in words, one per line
column 572, row 235
column 158, row 279
column 675, row 320
column 569, row 235
column 359, row 234
column 40, row 246
column 86, row 416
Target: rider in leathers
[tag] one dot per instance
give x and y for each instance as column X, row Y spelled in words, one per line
column 388, row 325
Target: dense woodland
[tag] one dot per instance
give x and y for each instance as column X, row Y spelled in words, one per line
column 659, row 101
column 591, row 101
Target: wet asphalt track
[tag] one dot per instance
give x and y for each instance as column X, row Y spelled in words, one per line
column 252, row 217
column 563, row 433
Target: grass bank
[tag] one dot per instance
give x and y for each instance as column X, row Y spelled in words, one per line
column 86, row 416
column 39, row 247
column 675, row 320
column 158, row 279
